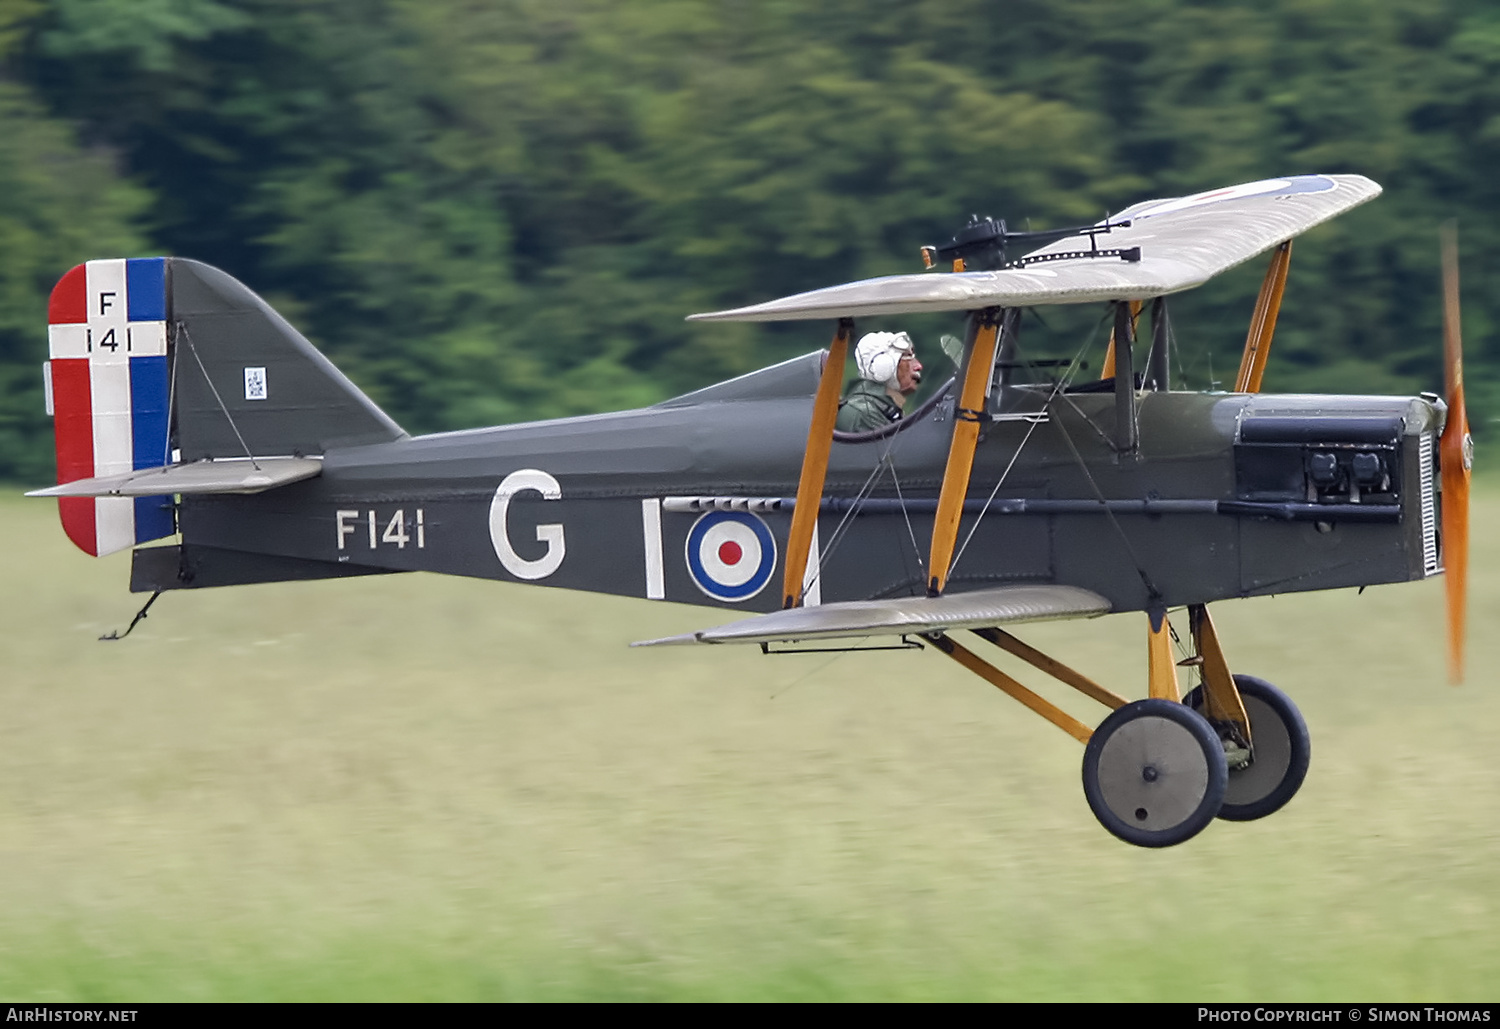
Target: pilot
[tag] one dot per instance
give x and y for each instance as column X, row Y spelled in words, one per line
column 889, row 372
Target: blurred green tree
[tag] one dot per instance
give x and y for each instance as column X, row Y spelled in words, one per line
column 487, row 212
column 60, row 203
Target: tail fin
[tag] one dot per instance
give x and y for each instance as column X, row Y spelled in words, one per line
column 248, row 381
column 153, row 356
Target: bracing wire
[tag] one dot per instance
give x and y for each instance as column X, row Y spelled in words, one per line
column 1114, row 522
column 1057, row 388
column 183, row 331
column 841, row 531
column 906, row 516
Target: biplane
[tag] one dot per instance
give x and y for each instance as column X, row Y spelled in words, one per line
column 186, row 407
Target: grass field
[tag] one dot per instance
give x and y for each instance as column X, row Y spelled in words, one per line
column 419, row 788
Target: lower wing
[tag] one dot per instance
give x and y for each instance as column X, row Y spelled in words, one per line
column 898, row 615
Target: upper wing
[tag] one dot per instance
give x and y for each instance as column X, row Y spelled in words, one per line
column 1184, row 242
column 859, row 618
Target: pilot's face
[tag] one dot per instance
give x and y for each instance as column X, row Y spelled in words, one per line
column 908, row 375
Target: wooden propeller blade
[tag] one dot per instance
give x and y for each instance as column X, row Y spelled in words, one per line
column 1456, row 452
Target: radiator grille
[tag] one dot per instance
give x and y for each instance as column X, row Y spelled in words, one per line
column 1430, row 565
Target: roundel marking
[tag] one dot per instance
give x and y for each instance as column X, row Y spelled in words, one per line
column 1276, row 187
column 730, row 554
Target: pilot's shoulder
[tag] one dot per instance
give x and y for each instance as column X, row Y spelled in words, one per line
column 866, row 407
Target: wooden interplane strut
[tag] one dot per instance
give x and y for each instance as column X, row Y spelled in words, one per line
column 815, row 464
column 1263, row 322
column 968, row 414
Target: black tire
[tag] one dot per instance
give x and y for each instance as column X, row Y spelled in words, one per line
column 1282, row 751
column 1154, row 773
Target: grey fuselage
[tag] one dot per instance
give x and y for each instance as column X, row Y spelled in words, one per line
column 1225, row 495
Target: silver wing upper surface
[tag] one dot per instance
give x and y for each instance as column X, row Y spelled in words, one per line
column 1184, row 241
column 898, row 615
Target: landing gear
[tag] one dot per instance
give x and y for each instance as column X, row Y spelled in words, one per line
column 1154, row 773
column 1280, row 754
column 1157, row 771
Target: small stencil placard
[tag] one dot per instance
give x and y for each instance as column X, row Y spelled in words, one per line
column 255, row 384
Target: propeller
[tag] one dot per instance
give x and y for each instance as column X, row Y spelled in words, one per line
column 1456, row 454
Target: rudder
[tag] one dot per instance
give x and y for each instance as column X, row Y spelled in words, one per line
column 108, row 382
column 162, row 360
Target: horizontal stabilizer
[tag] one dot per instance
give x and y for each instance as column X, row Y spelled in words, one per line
column 898, row 615
column 1183, row 242
column 157, row 359
column 238, row 475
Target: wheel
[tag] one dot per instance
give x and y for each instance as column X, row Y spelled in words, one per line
column 1154, row 773
column 1281, row 751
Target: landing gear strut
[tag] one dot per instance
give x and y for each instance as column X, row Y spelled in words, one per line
column 1157, row 771
column 1279, row 759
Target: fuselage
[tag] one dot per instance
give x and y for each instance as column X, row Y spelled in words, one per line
column 1225, row 495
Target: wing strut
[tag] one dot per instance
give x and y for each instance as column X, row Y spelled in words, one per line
column 967, row 416
column 1126, row 435
column 1108, row 371
column 1158, row 361
column 815, row 465
column 1263, row 322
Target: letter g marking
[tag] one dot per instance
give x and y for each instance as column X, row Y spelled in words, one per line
column 551, row 534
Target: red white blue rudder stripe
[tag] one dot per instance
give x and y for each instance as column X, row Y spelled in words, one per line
column 109, row 383
column 731, row 554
